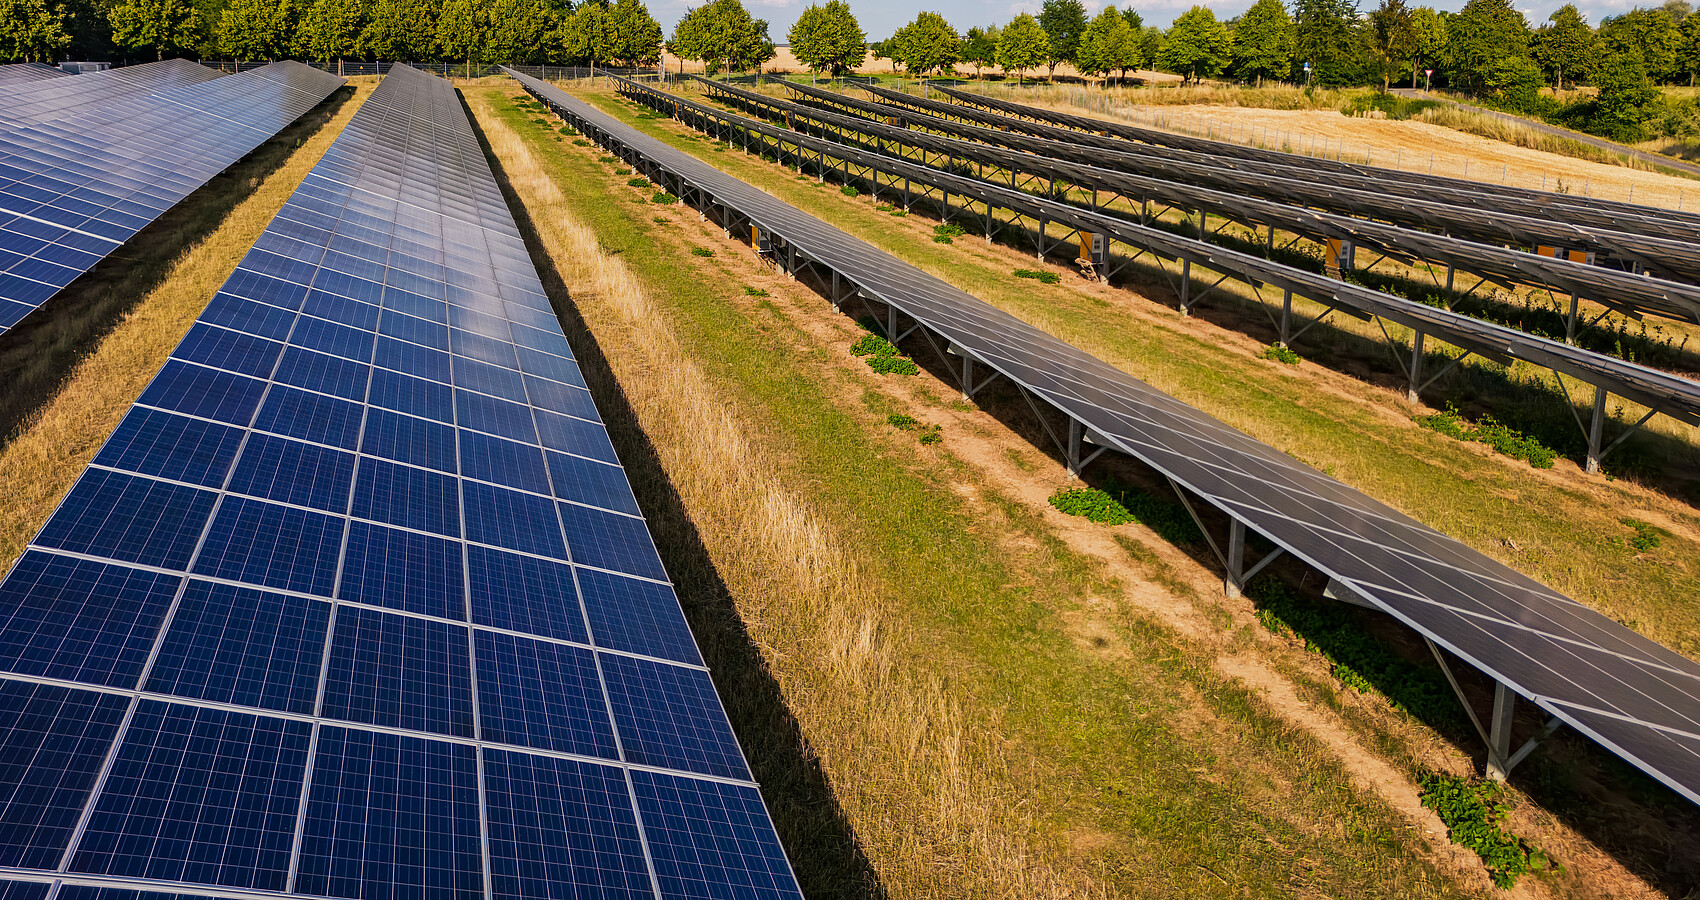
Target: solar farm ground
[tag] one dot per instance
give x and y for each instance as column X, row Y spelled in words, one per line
column 946, row 687
column 983, row 696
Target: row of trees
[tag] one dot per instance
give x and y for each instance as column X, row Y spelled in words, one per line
column 474, row 31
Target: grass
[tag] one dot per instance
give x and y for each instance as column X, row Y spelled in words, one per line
column 919, row 641
column 1519, row 135
column 1039, row 276
column 84, row 378
column 1567, row 533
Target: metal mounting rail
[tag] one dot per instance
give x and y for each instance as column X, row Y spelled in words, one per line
column 1638, row 699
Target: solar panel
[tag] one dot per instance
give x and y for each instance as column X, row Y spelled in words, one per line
column 325, row 618
column 1639, row 699
column 86, row 162
column 25, row 73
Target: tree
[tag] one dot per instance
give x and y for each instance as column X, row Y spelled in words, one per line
column 463, row 30
column 722, row 35
column 636, row 34
column 516, row 31
column 926, row 44
column 165, row 26
column 1064, row 22
column 1150, row 45
column 1263, row 41
column 1109, row 44
column 585, row 35
column 257, row 29
column 402, row 30
column 1133, row 20
column 828, row 38
column 1393, row 38
column 1325, row 34
column 31, row 31
column 1691, row 47
column 1625, row 97
column 980, row 47
column 330, row 29
column 1564, row 44
column 1430, row 28
column 1023, row 45
column 1484, row 33
column 1647, row 33
column 1678, row 10
column 1197, row 45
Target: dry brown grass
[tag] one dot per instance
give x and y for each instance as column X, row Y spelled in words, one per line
column 929, row 794
column 56, row 442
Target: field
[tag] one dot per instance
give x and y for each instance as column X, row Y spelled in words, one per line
column 946, row 685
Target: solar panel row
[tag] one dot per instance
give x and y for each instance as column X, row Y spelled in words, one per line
column 356, row 601
column 85, row 166
column 1631, row 694
column 25, row 73
column 1268, row 201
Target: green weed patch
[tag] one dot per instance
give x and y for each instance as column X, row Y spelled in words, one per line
column 1039, row 276
column 883, row 356
column 1473, row 812
column 663, row 198
column 637, row 182
column 702, row 251
column 944, row 234
column 1119, row 504
column 1282, row 354
column 850, row 190
column 1647, row 537
column 1502, row 438
column 754, row 291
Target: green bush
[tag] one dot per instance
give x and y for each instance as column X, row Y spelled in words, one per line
column 1036, row 275
column 850, row 190
column 1394, row 106
column 1473, row 812
column 701, row 251
column 663, row 198
column 1279, row 353
column 1500, row 437
column 883, row 356
column 637, row 182
column 1118, row 504
column 1647, row 537
column 568, row 130
column 943, row 234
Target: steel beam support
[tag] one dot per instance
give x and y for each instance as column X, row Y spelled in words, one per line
column 1413, row 383
column 1499, row 731
column 1596, row 429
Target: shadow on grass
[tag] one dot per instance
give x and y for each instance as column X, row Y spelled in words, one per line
column 40, row 352
column 819, row 839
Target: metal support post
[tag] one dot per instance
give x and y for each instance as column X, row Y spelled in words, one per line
column 1415, row 383
column 891, row 323
column 1570, row 322
column 1596, row 430
column 1073, row 447
column 1499, row 732
column 1233, row 584
column 1286, row 309
column 1186, row 287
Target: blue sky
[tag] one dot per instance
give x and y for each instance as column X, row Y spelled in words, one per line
column 880, row 18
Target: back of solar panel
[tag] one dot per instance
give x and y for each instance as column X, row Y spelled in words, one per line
column 359, row 589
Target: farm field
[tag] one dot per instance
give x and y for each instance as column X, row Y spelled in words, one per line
column 814, row 423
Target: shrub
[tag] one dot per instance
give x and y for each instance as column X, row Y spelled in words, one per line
column 883, row 356
column 663, row 198
column 1647, row 537
column 637, row 182
column 1394, row 106
column 1502, row 438
column 701, row 251
column 1039, row 276
column 568, row 130
column 1279, row 353
column 1473, row 812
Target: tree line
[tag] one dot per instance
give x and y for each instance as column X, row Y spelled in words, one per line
column 1487, row 49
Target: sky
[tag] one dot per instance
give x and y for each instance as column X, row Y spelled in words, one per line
column 879, row 18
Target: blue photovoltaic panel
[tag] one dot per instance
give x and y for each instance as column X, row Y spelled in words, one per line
column 53, row 741
column 81, row 620
column 363, row 542
column 25, row 890
column 86, row 162
column 199, row 795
